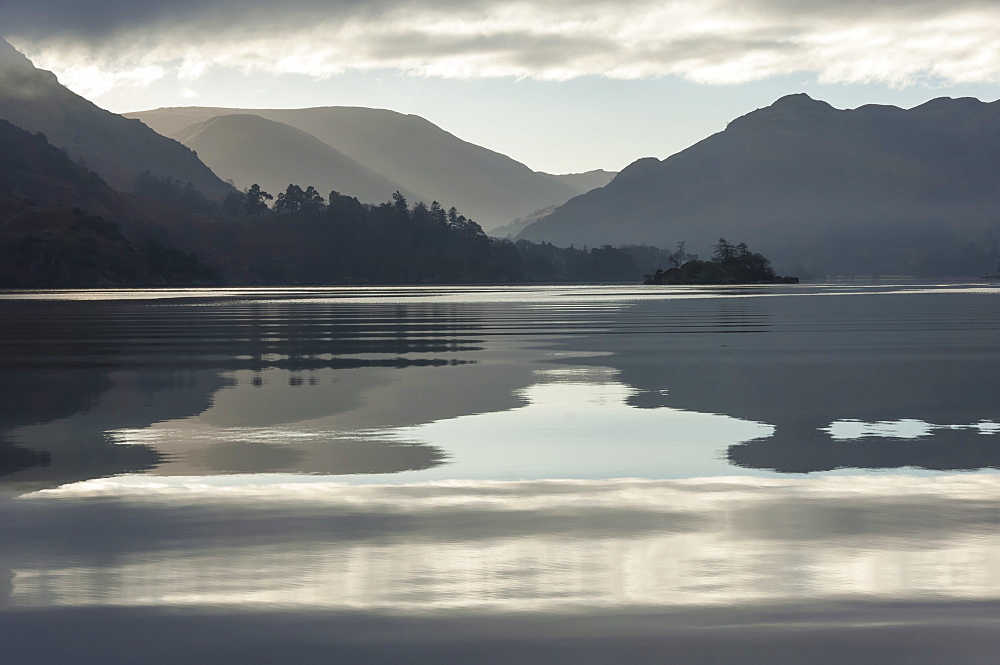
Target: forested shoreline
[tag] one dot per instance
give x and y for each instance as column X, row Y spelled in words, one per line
column 301, row 237
column 298, row 237
column 70, row 230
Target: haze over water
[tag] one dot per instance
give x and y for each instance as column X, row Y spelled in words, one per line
column 502, row 474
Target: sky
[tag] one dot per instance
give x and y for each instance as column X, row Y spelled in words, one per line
column 561, row 85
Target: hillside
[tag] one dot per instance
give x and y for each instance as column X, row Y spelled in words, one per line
column 50, row 236
column 68, row 248
column 249, row 149
column 874, row 190
column 62, row 226
column 490, row 187
column 36, row 173
column 116, row 148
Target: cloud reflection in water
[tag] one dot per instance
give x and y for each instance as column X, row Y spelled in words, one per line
column 505, row 546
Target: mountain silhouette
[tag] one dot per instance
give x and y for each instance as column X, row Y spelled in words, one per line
column 250, row 149
column 821, row 191
column 586, row 181
column 491, row 188
column 37, row 175
column 116, row 148
column 61, row 225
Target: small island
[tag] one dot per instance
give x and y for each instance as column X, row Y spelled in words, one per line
column 730, row 264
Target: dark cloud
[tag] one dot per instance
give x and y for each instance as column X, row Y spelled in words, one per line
column 729, row 41
column 101, row 18
column 93, row 19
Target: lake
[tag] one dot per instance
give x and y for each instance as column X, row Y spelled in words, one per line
column 579, row 474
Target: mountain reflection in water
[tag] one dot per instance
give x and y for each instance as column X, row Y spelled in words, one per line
column 523, row 474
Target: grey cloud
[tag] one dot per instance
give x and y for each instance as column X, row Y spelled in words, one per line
column 718, row 50
column 724, row 42
column 95, row 19
column 529, row 50
column 100, row 18
column 861, row 8
column 88, row 20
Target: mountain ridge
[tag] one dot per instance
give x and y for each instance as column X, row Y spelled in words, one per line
column 63, row 226
column 491, row 187
column 117, row 148
column 250, row 149
column 822, row 191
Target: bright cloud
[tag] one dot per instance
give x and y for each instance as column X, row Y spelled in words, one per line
column 715, row 41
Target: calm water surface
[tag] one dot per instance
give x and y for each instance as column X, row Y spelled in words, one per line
column 798, row 474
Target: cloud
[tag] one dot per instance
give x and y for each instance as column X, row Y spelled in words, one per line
column 716, row 41
column 94, row 81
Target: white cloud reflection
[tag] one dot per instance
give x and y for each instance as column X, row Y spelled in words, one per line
column 906, row 428
column 507, row 546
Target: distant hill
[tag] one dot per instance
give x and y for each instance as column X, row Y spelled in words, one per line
column 116, row 148
column 511, row 230
column 250, row 149
column 588, row 180
column 874, row 190
column 582, row 181
column 490, row 187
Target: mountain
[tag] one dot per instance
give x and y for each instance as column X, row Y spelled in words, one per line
column 490, row 187
column 250, row 149
column 822, row 191
column 50, row 236
column 116, row 148
column 581, row 181
column 37, row 174
column 511, row 230
column 584, row 182
column 62, row 226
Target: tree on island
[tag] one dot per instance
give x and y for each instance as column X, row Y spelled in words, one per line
column 730, row 264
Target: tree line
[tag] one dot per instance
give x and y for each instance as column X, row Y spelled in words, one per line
column 300, row 236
